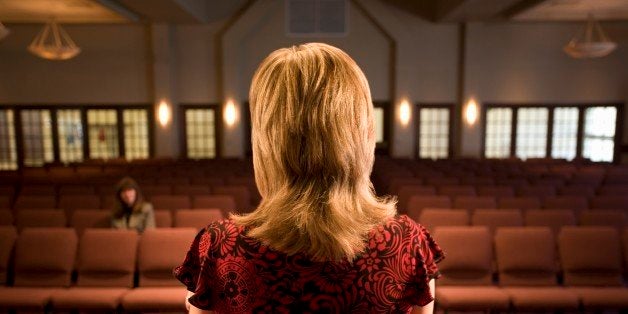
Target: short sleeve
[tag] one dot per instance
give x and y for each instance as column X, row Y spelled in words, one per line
column 193, row 270
column 425, row 254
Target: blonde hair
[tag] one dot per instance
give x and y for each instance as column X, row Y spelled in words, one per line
column 313, row 150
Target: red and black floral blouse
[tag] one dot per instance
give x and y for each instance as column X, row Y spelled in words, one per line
column 232, row 273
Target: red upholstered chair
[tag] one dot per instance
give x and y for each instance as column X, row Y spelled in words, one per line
column 416, row 204
column 405, row 192
column 609, row 202
column 433, row 218
column 496, row 191
column 106, row 265
column 554, row 219
column 151, row 190
column 76, row 189
column 90, row 218
column 577, row 190
column 171, row 202
column 44, row 258
column 395, row 184
column 160, row 250
column 494, row 218
column 225, row 202
column 456, row 190
column 466, row 282
column 475, row 202
column 163, row 219
column 8, row 235
column 191, row 189
column 72, row 202
column 38, row 189
column 240, row 194
column 536, row 190
column 613, row 190
column 526, row 260
column 521, row 202
column 603, row 217
column 5, row 201
column 576, row 203
column 27, row 218
column 591, row 262
column 35, row 202
column 196, row 218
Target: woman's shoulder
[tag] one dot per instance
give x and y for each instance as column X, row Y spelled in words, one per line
column 402, row 222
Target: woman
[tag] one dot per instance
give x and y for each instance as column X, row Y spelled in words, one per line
column 320, row 240
column 130, row 211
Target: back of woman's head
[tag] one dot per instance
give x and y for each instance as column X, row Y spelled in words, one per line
column 313, row 149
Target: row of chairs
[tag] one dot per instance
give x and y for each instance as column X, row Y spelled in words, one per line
column 410, row 201
column 529, row 269
column 555, row 219
column 103, row 270
column 93, row 218
column 237, row 199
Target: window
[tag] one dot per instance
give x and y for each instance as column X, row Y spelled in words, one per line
column 565, row 133
column 531, row 132
column 200, row 126
column 37, row 137
column 70, row 129
column 102, row 127
column 434, row 132
column 599, row 133
column 135, row 133
column 498, row 132
column 8, row 152
column 379, row 124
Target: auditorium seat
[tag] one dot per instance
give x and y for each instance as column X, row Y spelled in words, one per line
column 496, row 191
column 171, row 202
column 393, row 185
column 196, row 218
column 8, row 235
column 240, row 194
column 89, row 218
column 37, row 189
column 44, row 258
column 554, row 219
column 5, row 201
column 576, row 203
column 613, row 190
column 440, row 181
column 417, row 203
column 75, row 189
column 72, row 202
column 28, row 218
column 225, row 202
column 475, row 202
column 466, row 282
column 456, row 190
column 159, row 252
column 601, row 217
column 526, row 259
column 539, row 191
column 189, row 189
column 6, row 217
column 35, row 202
column 591, row 261
column 106, row 265
column 405, row 192
column 433, row 218
column 577, row 190
column 495, row 218
column 521, row 202
column 609, row 202
column 163, row 218
column 150, row 190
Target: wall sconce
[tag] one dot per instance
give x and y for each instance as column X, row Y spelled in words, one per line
column 471, row 112
column 231, row 115
column 164, row 113
column 404, row 112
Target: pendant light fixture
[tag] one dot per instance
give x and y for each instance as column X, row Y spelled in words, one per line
column 592, row 42
column 53, row 43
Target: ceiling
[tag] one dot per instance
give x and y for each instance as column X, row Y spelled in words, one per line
column 204, row 11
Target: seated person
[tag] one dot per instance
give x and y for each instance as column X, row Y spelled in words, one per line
column 130, row 210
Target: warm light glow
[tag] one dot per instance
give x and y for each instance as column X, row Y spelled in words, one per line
column 231, row 114
column 471, row 112
column 164, row 113
column 404, row 112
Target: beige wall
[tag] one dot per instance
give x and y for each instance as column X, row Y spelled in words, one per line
column 518, row 62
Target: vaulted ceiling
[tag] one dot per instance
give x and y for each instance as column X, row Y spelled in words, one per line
column 204, row 11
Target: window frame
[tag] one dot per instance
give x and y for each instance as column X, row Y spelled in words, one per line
column 417, row 125
column 183, row 135
column 582, row 107
column 83, row 108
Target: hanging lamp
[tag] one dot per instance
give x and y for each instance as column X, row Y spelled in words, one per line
column 53, row 43
column 4, row 31
column 592, row 42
